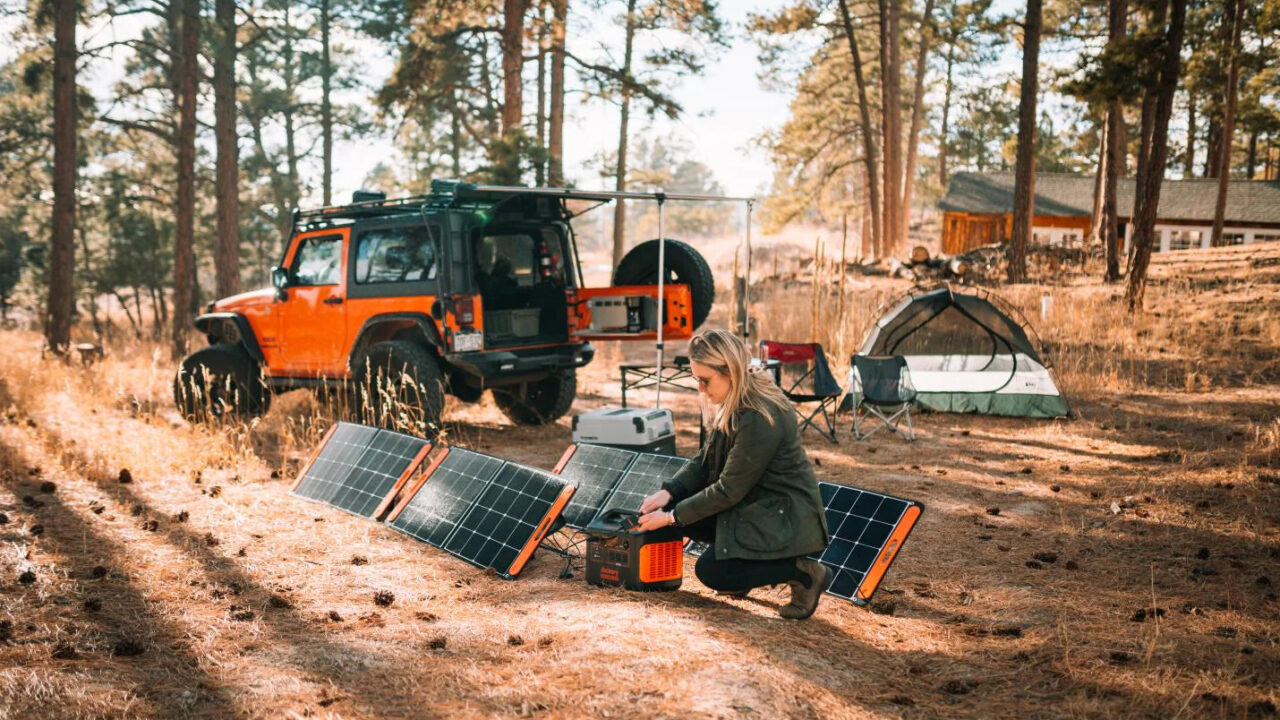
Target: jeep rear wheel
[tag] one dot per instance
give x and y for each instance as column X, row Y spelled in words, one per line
column 684, row 265
column 399, row 386
column 220, row 381
column 540, row 402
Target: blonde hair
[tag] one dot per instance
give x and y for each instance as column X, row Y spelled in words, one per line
column 749, row 387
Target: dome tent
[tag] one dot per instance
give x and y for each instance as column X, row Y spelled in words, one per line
column 966, row 353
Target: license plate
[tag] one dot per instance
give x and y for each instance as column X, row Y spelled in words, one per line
column 468, row 342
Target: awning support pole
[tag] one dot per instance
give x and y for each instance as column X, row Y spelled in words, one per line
column 746, row 290
column 662, row 300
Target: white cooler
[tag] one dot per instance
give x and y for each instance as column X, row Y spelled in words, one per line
column 641, row 430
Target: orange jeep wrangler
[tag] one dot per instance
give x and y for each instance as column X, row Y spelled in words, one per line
column 465, row 289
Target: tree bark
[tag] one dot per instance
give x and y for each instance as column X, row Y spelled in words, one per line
column 1149, row 202
column 555, row 133
column 946, row 117
column 540, row 169
column 227, row 170
column 512, row 64
column 184, row 215
column 1117, row 17
column 1235, row 13
column 326, row 100
column 620, row 178
column 891, row 121
column 869, row 152
column 1024, row 171
column 1189, row 162
column 1251, row 160
column 61, row 305
column 1213, row 142
column 917, row 116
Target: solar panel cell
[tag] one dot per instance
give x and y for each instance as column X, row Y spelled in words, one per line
column 433, row 512
column 867, row 531
column 359, row 468
column 595, row 470
column 643, row 478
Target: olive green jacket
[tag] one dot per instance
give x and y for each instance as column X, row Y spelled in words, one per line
column 759, row 485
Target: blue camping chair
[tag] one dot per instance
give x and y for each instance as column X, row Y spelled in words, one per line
column 880, row 387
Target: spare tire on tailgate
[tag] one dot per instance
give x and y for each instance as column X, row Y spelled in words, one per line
column 684, row 265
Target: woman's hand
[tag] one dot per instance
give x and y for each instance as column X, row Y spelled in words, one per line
column 655, row 520
column 656, row 501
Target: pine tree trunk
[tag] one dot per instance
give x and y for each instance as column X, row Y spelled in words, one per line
column 61, row 305
column 555, row 133
column 1095, row 229
column 1189, row 162
column 1213, row 142
column 326, row 100
column 184, row 216
column 1024, row 170
column 1251, row 159
column 944, row 135
column 868, row 136
column 1149, row 203
column 540, row 169
column 891, row 121
column 1234, row 15
column 512, row 65
column 1117, row 19
column 620, row 177
column 227, row 172
column 917, row 117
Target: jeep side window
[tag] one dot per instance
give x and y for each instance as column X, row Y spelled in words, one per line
column 318, row 261
column 389, row 255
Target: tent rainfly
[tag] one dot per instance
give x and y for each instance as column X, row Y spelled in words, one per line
column 966, row 354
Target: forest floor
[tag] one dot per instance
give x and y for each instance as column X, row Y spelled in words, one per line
column 1121, row 563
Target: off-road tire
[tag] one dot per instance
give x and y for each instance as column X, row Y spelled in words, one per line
column 540, row 402
column 684, row 265
column 220, row 382
column 399, row 386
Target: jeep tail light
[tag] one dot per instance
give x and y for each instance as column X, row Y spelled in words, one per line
column 464, row 309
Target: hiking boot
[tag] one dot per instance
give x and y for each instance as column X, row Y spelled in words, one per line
column 806, row 592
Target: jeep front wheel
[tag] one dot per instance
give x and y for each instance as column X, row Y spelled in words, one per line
column 399, row 386
column 220, row 381
column 540, row 402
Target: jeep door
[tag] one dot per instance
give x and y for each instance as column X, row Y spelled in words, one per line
column 312, row 316
column 394, row 270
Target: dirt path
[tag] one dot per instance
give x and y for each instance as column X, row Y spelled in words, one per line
column 1122, row 564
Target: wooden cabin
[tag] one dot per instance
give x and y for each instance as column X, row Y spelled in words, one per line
column 978, row 210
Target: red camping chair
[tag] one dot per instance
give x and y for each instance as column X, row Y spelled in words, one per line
column 806, row 378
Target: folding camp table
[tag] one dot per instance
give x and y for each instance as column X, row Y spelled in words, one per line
column 677, row 375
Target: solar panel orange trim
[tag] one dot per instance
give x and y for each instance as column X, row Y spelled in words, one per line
column 891, row 548
column 564, row 458
column 404, row 478
column 545, row 524
column 314, row 454
column 417, row 485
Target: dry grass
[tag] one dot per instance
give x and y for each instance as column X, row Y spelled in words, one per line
column 201, row 589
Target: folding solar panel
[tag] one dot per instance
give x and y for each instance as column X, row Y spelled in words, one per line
column 509, row 519
column 482, row 509
column 442, row 496
column 359, row 469
column 643, row 478
column 867, row 531
column 595, row 470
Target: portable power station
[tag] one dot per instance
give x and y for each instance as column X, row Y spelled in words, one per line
column 617, row 554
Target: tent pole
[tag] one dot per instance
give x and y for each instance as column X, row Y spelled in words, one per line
column 746, row 290
column 662, row 300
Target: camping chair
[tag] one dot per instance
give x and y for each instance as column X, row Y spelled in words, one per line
column 806, row 378
column 881, row 385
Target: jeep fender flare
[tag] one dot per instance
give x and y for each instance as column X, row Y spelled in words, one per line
column 376, row 326
column 214, row 326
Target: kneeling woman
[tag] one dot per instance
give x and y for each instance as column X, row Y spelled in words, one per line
column 751, row 492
